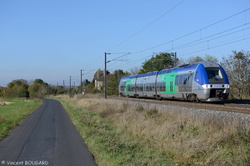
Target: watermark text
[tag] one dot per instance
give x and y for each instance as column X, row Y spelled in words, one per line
column 26, row 163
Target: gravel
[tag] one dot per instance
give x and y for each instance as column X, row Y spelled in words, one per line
column 194, row 112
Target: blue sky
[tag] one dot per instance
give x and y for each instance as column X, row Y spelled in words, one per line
column 55, row 39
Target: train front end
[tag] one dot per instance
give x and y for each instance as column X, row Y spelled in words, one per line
column 211, row 82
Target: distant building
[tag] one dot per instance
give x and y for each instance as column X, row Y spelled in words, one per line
column 99, row 79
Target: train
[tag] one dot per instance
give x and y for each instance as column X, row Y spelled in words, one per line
column 203, row 81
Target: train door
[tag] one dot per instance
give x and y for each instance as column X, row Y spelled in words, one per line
column 144, row 92
column 140, row 86
column 171, row 83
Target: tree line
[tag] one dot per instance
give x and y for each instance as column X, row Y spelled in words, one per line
column 236, row 65
column 21, row 88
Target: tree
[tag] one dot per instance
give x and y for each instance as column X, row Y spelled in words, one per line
column 40, row 81
column 237, row 67
column 113, row 81
column 158, row 62
column 38, row 89
column 208, row 58
column 134, row 70
column 17, row 88
column 90, row 87
column 193, row 60
column 1, row 92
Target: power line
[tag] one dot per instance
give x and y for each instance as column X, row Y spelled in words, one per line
column 196, row 31
column 220, row 45
column 201, row 40
column 192, row 43
column 206, row 39
column 207, row 48
column 119, row 56
column 136, row 33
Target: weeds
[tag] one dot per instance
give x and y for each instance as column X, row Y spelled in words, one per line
column 124, row 134
column 139, row 108
column 151, row 113
column 109, row 144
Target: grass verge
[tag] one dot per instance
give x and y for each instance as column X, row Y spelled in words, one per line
column 112, row 145
column 11, row 115
column 118, row 133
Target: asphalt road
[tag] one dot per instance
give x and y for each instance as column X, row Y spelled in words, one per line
column 46, row 137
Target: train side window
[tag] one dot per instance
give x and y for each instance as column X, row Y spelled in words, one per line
column 180, row 80
column 177, row 80
column 141, row 87
column 163, row 86
column 130, row 88
column 152, row 87
column 159, row 86
column 122, row 88
column 185, row 78
column 196, row 76
column 148, row 88
column 190, row 79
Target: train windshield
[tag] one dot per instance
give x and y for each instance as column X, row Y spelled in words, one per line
column 215, row 75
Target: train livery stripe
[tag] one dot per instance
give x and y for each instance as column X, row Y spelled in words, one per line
column 129, row 82
column 169, row 79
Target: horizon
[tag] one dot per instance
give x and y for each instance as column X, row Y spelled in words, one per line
column 53, row 40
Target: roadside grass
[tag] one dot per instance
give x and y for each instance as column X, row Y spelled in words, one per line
column 11, row 115
column 112, row 145
column 119, row 133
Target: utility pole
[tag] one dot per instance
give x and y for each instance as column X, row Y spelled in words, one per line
column 70, row 85
column 70, row 81
column 105, row 74
column 63, row 83
column 105, row 71
column 81, row 80
column 175, row 59
column 118, row 76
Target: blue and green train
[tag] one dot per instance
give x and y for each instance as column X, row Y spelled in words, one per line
column 203, row 81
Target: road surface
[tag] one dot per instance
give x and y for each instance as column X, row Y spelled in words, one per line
column 46, row 137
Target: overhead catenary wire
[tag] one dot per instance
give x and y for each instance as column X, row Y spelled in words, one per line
column 246, row 37
column 200, row 40
column 192, row 43
column 139, row 31
column 196, row 31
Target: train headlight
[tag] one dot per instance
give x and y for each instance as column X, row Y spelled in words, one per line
column 205, row 86
column 227, row 86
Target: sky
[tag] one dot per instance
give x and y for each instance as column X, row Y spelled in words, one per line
column 55, row 39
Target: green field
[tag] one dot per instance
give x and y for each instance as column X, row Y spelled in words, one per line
column 13, row 113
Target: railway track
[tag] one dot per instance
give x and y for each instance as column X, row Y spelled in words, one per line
column 227, row 107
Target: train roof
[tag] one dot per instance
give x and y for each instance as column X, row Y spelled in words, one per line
column 177, row 69
column 181, row 68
